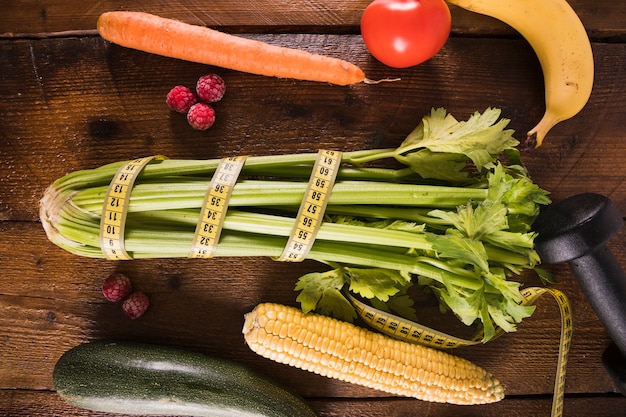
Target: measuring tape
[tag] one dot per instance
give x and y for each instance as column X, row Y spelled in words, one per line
column 412, row 332
column 567, row 328
column 115, row 209
column 214, row 208
column 407, row 330
column 209, row 226
column 311, row 211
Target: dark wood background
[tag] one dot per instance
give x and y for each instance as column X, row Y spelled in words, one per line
column 69, row 100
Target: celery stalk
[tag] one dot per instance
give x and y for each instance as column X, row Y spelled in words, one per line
column 462, row 232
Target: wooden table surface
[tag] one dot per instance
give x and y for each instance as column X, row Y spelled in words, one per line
column 69, row 101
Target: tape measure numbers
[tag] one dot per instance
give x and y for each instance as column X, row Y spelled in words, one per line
column 209, row 226
column 530, row 295
column 409, row 331
column 115, row 209
column 311, row 211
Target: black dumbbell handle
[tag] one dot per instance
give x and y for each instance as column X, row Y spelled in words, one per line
column 576, row 231
column 603, row 282
column 615, row 364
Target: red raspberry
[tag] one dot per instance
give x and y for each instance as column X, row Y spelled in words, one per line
column 180, row 99
column 211, row 88
column 201, row 116
column 116, row 287
column 136, row 304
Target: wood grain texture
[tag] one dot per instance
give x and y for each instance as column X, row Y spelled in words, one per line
column 69, row 101
column 44, row 403
column 25, row 18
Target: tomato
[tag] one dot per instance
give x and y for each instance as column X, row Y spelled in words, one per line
column 404, row 33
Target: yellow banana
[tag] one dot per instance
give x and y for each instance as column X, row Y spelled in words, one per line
column 558, row 37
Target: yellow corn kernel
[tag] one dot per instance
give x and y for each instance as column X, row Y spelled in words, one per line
column 343, row 351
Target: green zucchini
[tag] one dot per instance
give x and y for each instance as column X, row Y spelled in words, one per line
column 134, row 378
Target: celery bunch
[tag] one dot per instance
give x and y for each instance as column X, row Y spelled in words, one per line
column 454, row 217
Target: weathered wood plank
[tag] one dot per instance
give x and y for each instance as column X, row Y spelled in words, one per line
column 603, row 19
column 22, row 403
column 54, row 16
column 103, row 103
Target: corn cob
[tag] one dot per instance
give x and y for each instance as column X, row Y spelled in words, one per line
column 340, row 350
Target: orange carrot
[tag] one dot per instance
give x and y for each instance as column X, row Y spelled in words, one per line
column 175, row 39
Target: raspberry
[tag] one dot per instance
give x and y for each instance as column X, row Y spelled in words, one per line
column 180, row 99
column 116, row 287
column 136, row 304
column 201, row 116
column 211, row 88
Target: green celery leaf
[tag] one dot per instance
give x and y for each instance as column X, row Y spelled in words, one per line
column 480, row 305
column 375, row 282
column 516, row 242
column 450, row 217
column 480, row 140
column 507, row 313
column 488, row 217
column 334, row 304
column 460, row 249
column 489, row 329
column 406, row 226
column 465, row 307
column 343, row 219
column 508, row 289
column 315, row 285
column 500, row 319
column 546, row 276
column 517, row 311
column 524, row 197
column 442, row 166
column 519, row 194
column 499, row 183
column 403, row 225
column 505, row 309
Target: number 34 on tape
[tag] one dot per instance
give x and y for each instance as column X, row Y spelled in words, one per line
column 214, row 207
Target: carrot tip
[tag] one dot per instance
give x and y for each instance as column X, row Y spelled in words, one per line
column 384, row 80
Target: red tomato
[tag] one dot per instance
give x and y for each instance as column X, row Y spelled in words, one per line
column 404, row 33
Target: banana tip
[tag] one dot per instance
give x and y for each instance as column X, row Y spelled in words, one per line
column 531, row 142
column 537, row 134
